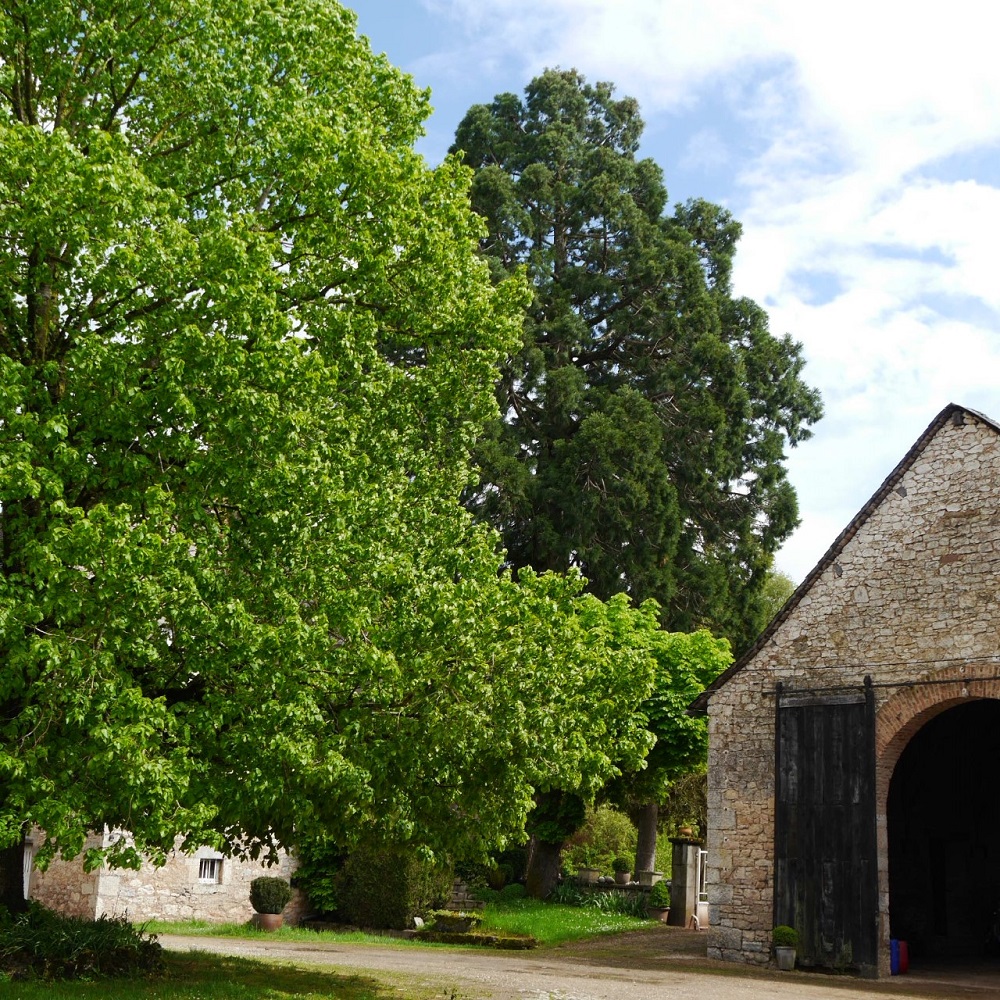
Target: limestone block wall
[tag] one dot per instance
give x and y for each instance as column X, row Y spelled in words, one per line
column 64, row 886
column 177, row 892
column 913, row 594
column 183, row 889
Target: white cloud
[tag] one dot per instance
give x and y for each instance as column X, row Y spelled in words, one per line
column 851, row 109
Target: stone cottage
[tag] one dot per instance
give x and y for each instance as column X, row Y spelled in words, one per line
column 854, row 763
column 203, row 885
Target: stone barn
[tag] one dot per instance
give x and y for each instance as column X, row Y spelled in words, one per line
column 854, row 763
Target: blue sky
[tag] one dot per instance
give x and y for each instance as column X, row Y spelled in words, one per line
column 859, row 145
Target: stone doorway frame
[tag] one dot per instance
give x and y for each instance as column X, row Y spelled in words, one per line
column 897, row 721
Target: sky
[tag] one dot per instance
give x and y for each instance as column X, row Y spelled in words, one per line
column 859, row 145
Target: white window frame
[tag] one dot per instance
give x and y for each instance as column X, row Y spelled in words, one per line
column 210, row 871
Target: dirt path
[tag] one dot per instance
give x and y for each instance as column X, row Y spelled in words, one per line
column 638, row 966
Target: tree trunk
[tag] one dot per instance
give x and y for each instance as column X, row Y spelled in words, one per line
column 12, row 876
column 543, row 868
column 645, row 852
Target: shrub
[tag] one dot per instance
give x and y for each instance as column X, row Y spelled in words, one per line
column 513, row 891
column 486, row 894
column 659, row 895
column 621, row 864
column 44, row 945
column 784, row 936
column 319, row 863
column 386, row 887
column 625, row 903
column 568, row 894
column 606, row 834
column 269, row 894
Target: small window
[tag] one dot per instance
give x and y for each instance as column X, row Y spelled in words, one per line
column 210, row 870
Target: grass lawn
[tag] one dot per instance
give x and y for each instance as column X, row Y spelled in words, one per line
column 547, row 923
column 554, row 923
column 210, row 977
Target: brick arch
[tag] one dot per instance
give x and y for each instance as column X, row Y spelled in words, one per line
column 910, row 708
column 902, row 716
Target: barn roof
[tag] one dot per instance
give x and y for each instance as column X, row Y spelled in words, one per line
column 951, row 412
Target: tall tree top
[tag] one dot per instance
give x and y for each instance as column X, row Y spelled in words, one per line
column 646, row 415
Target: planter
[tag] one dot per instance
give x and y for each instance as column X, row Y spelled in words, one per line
column 623, row 878
column 785, row 957
column 660, row 913
column 455, row 924
column 588, row 876
column 649, row 878
column 269, row 921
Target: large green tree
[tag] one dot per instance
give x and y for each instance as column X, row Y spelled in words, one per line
column 645, row 417
column 245, row 347
column 644, row 420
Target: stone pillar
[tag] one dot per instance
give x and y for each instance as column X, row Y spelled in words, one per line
column 684, row 881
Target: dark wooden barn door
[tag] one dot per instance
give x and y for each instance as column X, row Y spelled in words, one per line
column 826, row 870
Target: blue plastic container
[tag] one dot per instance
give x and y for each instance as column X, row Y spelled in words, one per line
column 894, row 956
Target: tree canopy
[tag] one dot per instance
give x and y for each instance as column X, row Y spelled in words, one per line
column 246, row 344
column 644, row 419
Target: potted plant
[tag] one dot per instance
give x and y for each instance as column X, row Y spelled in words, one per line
column 622, row 868
column 658, row 902
column 587, row 874
column 269, row 896
column 785, row 940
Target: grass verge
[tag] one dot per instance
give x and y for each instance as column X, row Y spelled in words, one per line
column 547, row 923
column 554, row 923
column 210, row 977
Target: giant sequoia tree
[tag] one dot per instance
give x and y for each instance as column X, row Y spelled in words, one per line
column 245, row 347
column 644, row 419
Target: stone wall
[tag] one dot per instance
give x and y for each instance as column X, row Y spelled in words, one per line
column 912, row 595
column 64, row 886
column 183, row 889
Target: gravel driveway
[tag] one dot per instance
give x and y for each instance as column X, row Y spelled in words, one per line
column 629, row 967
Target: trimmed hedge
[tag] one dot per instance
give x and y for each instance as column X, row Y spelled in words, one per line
column 40, row 944
column 386, row 887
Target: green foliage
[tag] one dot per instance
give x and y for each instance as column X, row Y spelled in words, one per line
column 319, row 863
column 568, row 894
column 659, row 895
column 626, row 904
column 644, row 421
column 621, row 864
column 778, row 587
column 629, row 904
column 557, row 815
column 269, row 894
column 686, row 803
column 380, row 887
column 784, row 936
column 246, row 346
column 511, row 892
column 44, row 945
column 607, row 833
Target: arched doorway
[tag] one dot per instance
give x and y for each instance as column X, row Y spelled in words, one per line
column 943, row 823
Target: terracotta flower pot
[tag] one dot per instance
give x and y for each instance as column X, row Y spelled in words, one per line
column 269, row 921
column 623, row 878
column 661, row 913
